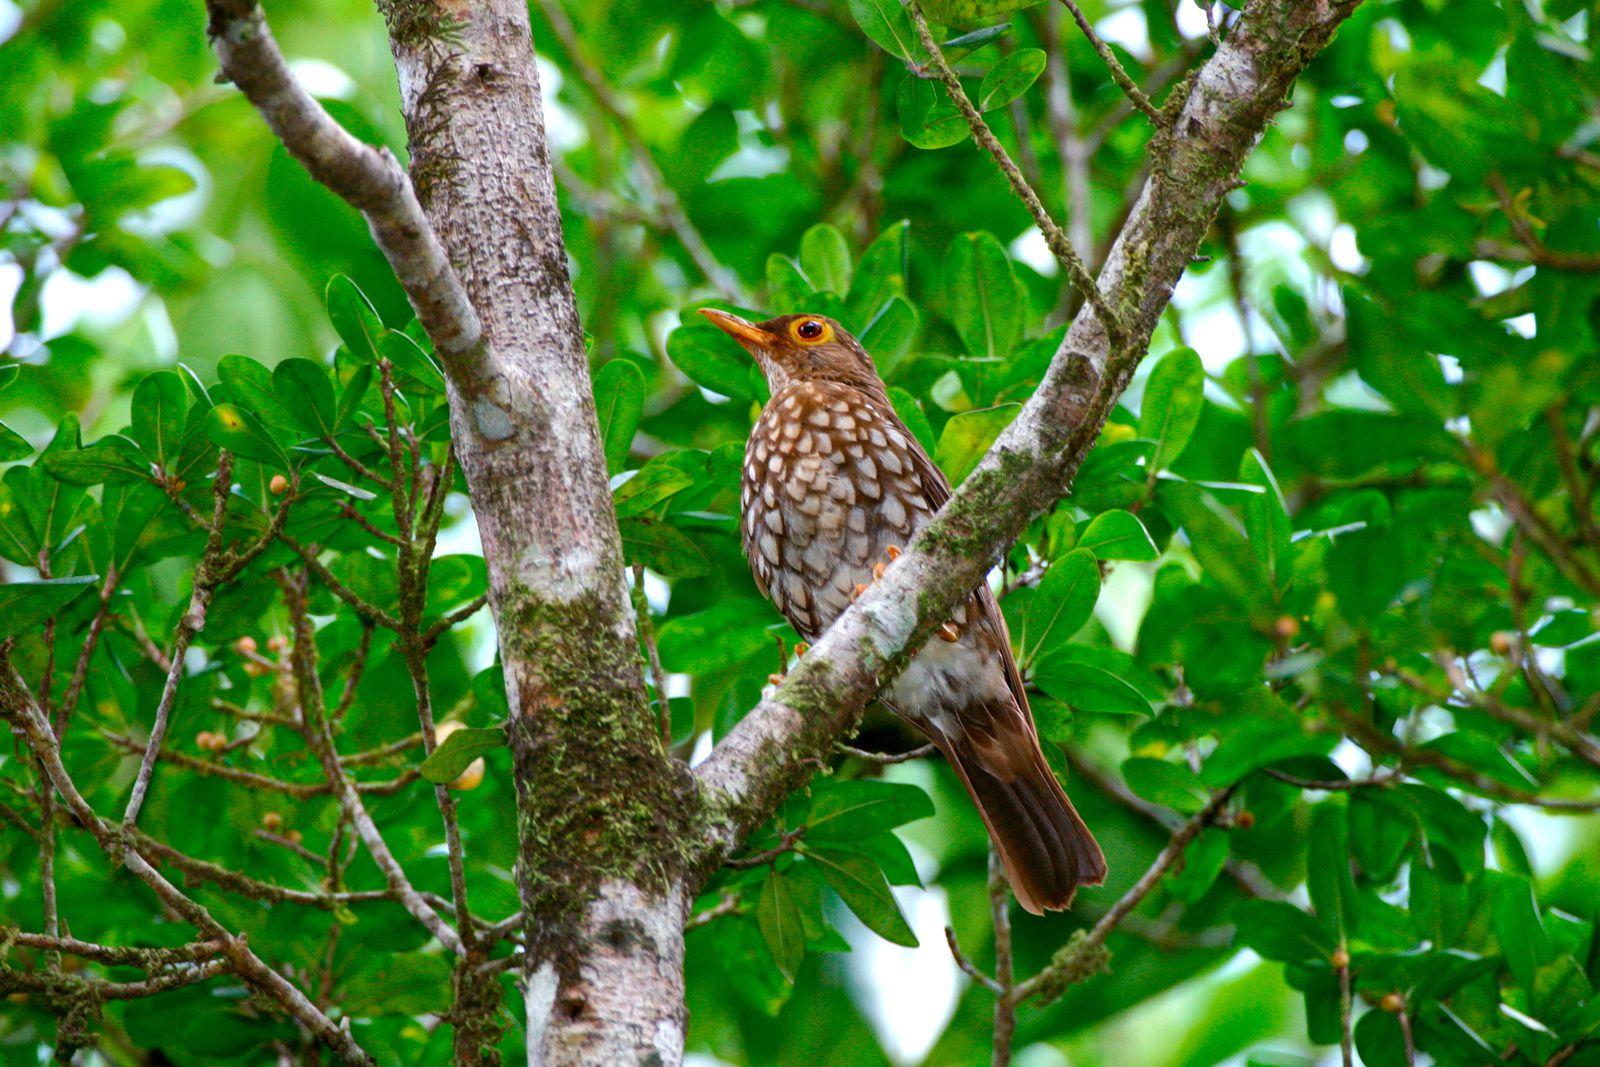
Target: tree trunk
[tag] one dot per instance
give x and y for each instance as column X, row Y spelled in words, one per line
column 600, row 807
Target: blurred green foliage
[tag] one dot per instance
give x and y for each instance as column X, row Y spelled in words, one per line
column 1338, row 548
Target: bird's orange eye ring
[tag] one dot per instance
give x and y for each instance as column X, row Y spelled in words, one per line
column 810, row 331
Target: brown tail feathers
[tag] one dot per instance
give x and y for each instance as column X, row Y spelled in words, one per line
column 1046, row 849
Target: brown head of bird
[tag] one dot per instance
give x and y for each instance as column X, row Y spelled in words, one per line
column 801, row 348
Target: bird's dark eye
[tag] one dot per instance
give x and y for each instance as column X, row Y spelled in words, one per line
column 809, row 330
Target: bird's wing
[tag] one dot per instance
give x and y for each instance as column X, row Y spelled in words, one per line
column 937, row 488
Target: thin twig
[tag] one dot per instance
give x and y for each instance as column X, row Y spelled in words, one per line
column 887, row 757
column 1073, row 263
column 1086, row 954
column 206, row 576
column 1005, row 1009
column 1118, row 75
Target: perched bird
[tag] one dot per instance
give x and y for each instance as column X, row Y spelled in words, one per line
column 833, row 484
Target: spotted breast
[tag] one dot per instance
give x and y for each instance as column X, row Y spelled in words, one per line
column 830, row 483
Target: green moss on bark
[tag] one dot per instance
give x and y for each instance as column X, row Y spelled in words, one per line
column 597, row 798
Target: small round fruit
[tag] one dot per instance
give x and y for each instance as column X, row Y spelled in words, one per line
column 279, row 485
column 245, row 644
column 1340, row 959
column 294, row 837
column 1393, row 1003
column 1501, row 642
column 277, row 643
column 272, row 822
column 1286, row 627
column 1245, row 819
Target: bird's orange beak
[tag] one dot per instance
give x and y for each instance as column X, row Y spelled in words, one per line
column 745, row 332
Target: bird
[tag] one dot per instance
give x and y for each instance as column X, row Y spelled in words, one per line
column 832, row 485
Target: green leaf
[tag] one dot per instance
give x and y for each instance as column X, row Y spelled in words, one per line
column 649, row 488
column 354, row 391
column 889, row 333
column 712, row 359
column 967, row 437
column 13, row 445
column 664, row 549
column 1266, row 520
column 24, row 605
column 887, row 25
column 983, row 298
column 880, row 275
column 1010, row 78
column 1328, row 877
column 1203, row 860
column 779, row 916
column 1170, row 409
column 409, row 363
column 111, row 459
column 1522, row 937
column 910, row 411
column 160, row 403
column 733, row 630
column 618, row 402
column 450, row 759
column 927, row 118
column 235, row 429
column 961, row 12
column 788, row 290
column 1222, row 550
column 861, row 885
column 250, row 386
column 1059, row 605
column 1088, row 688
column 825, row 257
column 852, row 811
column 1380, row 1041
column 1279, row 931
column 1118, row 535
column 9, row 373
column 306, row 392
column 354, row 318
column 1165, row 783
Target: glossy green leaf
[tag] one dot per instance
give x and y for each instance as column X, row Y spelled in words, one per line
column 861, row 885
column 967, row 436
column 160, row 404
column 1163, row 782
column 712, row 359
column 25, row 605
column 1170, row 409
column 825, row 256
column 238, row 431
column 619, row 402
column 1328, row 877
column 1059, row 606
column 456, row 754
column 412, row 366
column 304, row 389
column 354, row 318
column 1088, row 688
column 1010, row 78
column 983, row 299
column 1281, row 931
column 1118, row 534
column 778, row 914
column 13, row 445
column 886, row 23
column 852, row 811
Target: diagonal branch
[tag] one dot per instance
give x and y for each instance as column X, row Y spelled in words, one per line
column 367, row 178
column 1194, row 163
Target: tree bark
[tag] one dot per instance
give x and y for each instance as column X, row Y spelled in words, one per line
column 600, row 807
